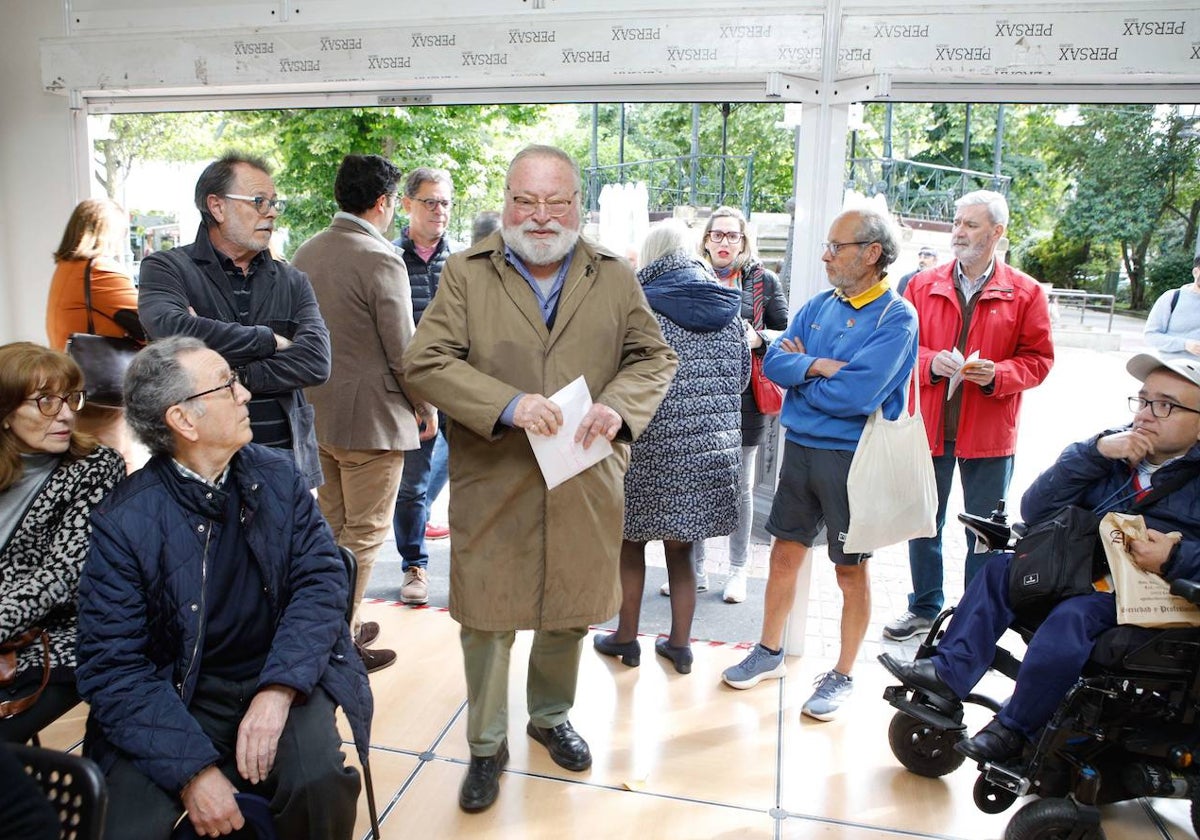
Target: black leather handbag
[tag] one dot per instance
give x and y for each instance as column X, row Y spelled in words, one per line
column 103, row 359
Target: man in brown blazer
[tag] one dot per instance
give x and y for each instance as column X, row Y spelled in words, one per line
column 365, row 415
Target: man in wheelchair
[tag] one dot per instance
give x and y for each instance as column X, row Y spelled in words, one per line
column 1115, row 470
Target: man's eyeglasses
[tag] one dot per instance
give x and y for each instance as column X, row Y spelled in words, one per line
column 1159, row 408
column 51, row 404
column 555, row 207
column 716, row 237
column 432, row 204
column 834, row 247
column 261, row 203
column 233, row 380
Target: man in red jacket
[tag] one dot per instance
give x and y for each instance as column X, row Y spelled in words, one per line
column 985, row 339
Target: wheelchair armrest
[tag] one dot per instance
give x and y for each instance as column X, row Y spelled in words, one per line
column 1186, row 589
column 994, row 535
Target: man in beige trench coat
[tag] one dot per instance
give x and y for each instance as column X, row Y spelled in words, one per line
column 518, row 316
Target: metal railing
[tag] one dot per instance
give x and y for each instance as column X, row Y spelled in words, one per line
column 1085, row 301
column 698, row 180
column 919, row 190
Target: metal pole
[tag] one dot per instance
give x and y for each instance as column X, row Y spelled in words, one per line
column 967, row 139
column 724, row 144
column 593, row 192
column 998, row 147
column 695, row 149
column 621, row 148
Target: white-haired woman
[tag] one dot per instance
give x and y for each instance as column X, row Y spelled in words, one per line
column 681, row 486
column 727, row 246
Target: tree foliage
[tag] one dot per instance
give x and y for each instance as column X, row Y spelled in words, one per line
column 123, row 140
column 1132, row 167
column 664, row 131
column 473, row 143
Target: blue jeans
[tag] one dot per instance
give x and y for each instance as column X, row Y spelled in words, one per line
column 425, row 473
column 984, row 482
column 1055, row 656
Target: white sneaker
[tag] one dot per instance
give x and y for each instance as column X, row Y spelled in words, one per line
column 735, row 586
column 701, row 585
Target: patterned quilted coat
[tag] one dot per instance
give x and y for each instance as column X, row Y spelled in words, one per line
column 40, row 563
column 683, row 470
column 141, row 609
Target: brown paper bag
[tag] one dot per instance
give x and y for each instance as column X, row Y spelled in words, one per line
column 1143, row 598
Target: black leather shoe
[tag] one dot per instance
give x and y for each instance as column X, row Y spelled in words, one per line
column 918, row 674
column 995, row 742
column 566, row 747
column 630, row 652
column 482, row 784
column 681, row 657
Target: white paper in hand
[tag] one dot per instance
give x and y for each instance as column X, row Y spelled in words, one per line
column 957, row 378
column 559, row 456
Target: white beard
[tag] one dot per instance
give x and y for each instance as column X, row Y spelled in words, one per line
column 539, row 251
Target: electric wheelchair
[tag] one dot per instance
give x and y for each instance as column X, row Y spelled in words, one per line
column 1130, row 726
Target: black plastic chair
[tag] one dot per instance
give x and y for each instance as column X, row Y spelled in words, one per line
column 351, row 563
column 74, row 786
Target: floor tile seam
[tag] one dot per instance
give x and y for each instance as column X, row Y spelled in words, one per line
column 437, row 739
column 1154, row 817
column 616, row 788
column 815, row 637
column 713, row 643
column 906, row 832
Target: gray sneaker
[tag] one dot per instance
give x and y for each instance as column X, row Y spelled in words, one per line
column 906, row 626
column 760, row 665
column 833, row 689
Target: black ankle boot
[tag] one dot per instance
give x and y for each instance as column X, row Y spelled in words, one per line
column 630, row 652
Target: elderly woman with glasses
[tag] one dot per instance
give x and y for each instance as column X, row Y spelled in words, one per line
column 729, row 249
column 51, row 477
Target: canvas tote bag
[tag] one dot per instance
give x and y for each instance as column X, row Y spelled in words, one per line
column 893, row 495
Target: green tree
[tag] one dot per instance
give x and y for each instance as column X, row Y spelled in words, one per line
column 123, row 140
column 473, row 142
column 1132, row 167
column 664, row 131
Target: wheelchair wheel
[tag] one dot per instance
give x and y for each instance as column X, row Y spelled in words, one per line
column 1050, row 819
column 921, row 748
column 990, row 798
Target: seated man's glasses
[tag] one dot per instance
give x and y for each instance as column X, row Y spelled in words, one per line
column 51, row 404
column 233, row 380
column 432, row 204
column 716, row 237
column 555, row 207
column 261, row 203
column 1159, row 408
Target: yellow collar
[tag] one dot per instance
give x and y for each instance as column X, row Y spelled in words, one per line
column 863, row 298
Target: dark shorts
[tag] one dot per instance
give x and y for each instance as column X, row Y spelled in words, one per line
column 812, row 493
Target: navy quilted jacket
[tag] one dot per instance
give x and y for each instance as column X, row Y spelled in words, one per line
column 423, row 276
column 142, row 606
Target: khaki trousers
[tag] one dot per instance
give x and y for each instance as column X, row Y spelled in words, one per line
column 357, row 499
column 549, row 688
